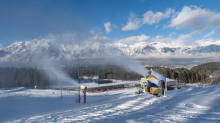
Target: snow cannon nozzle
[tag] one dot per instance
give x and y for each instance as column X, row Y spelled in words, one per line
column 83, row 88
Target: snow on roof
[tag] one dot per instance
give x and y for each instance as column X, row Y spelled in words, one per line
column 155, row 81
column 170, row 80
column 90, row 85
column 158, row 75
column 64, row 86
column 87, row 77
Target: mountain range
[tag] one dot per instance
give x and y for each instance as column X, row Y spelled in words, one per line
column 37, row 49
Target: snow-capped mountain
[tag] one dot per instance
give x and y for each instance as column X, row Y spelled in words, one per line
column 37, row 49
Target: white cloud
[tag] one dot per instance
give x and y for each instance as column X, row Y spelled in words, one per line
column 132, row 16
column 160, row 41
column 172, row 34
column 108, row 27
column 209, row 34
column 159, row 36
column 156, row 26
column 114, row 26
column 186, row 36
column 181, row 40
column 134, row 39
column 206, row 42
column 195, row 18
column 150, row 17
column 133, row 23
column 1, row 45
column 100, row 38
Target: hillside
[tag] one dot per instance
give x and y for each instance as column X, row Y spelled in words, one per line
column 208, row 68
column 190, row 104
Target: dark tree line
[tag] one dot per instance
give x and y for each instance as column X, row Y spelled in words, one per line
column 212, row 69
column 208, row 68
column 107, row 72
column 30, row 77
column 182, row 74
column 17, row 77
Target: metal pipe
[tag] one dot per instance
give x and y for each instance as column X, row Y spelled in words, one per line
column 165, row 88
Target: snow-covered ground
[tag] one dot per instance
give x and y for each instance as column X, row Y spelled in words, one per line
column 198, row 84
column 191, row 104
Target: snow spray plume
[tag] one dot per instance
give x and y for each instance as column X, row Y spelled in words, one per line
column 98, row 45
column 120, row 59
column 65, row 48
column 54, row 73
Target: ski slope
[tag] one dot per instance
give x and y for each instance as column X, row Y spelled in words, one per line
column 191, row 104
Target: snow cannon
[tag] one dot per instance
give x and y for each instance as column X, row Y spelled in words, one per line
column 83, row 88
column 154, row 90
column 155, row 77
column 155, row 82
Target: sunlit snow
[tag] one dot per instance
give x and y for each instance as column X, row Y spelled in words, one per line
column 191, row 104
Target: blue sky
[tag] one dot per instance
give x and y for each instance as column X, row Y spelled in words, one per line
column 116, row 19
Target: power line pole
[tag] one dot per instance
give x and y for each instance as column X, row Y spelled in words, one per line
column 78, row 79
column 61, row 89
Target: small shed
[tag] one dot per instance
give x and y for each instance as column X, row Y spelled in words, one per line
column 173, row 84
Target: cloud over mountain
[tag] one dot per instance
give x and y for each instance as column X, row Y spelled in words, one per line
column 142, row 46
column 134, row 39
